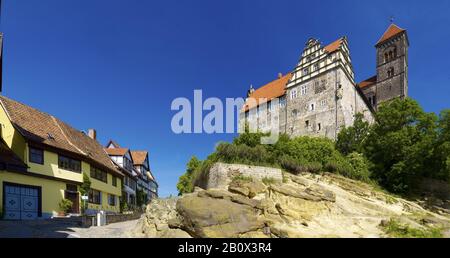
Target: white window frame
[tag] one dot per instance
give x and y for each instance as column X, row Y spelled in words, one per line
column 304, row 90
column 294, row 94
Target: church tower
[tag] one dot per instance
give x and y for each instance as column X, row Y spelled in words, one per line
column 392, row 65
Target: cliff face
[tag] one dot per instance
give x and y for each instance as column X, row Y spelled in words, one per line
column 299, row 206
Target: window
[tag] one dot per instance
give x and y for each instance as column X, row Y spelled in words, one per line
column 316, row 67
column 391, row 72
column 69, row 164
column 323, row 102
column 269, row 106
column 95, row 197
column 319, row 127
column 306, row 71
column 307, row 123
column 304, row 90
column 36, row 156
column 293, row 94
column 99, row 174
column 312, row 107
column 295, row 112
column 247, row 114
column 114, row 181
column 283, row 101
column 111, row 200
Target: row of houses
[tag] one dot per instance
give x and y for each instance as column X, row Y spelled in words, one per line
column 44, row 161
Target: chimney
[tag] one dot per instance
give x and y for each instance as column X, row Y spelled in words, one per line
column 92, row 133
column 280, row 75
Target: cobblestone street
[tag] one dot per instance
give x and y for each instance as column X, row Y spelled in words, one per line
column 54, row 229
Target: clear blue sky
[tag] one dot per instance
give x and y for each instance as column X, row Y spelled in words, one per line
column 116, row 65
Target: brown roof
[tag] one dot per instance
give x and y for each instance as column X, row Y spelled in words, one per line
column 392, row 31
column 274, row 89
column 333, row 46
column 116, row 151
column 368, row 82
column 139, row 157
column 9, row 160
column 46, row 130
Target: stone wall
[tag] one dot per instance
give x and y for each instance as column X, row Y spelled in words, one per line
column 221, row 175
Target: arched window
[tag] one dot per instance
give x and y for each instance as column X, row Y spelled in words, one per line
column 390, row 72
column 391, row 55
column 386, row 57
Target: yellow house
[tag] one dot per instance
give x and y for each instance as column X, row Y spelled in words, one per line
column 54, row 157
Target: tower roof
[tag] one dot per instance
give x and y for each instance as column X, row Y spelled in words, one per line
column 392, row 31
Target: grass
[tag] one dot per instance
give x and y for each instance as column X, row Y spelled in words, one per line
column 242, row 178
column 268, row 180
column 398, row 230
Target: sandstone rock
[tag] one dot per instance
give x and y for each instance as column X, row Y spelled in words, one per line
column 304, row 206
column 174, row 233
column 208, row 217
column 239, row 190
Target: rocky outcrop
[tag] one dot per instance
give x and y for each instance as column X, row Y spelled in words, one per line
column 301, row 206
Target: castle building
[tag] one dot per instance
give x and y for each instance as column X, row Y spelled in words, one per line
column 320, row 96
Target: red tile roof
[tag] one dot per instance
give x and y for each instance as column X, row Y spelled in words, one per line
column 139, row 157
column 368, row 82
column 46, row 130
column 116, row 151
column 274, row 89
column 392, row 31
column 333, row 46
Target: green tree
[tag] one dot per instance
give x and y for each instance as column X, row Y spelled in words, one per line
column 400, row 143
column 352, row 139
column 84, row 190
column 441, row 155
column 185, row 182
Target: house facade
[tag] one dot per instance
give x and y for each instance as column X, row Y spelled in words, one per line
column 320, row 96
column 123, row 160
column 146, row 179
column 55, row 157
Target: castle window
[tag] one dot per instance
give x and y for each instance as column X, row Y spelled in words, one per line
column 293, row 94
column 319, row 127
column 303, row 89
column 269, row 106
column 386, row 57
column 295, row 112
column 395, row 52
column 307, row 123
column 283, row 101
column 312, row 107
column 306, row 71
column 316, row 67
column 391, row 72
column 323, row 102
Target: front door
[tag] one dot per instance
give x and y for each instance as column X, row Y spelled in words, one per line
column 72, row 195
column 21, row 202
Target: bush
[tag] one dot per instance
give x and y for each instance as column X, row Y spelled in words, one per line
column 361, row 167
column 65, row 205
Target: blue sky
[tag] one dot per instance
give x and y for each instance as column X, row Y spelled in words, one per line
column 116, row 65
